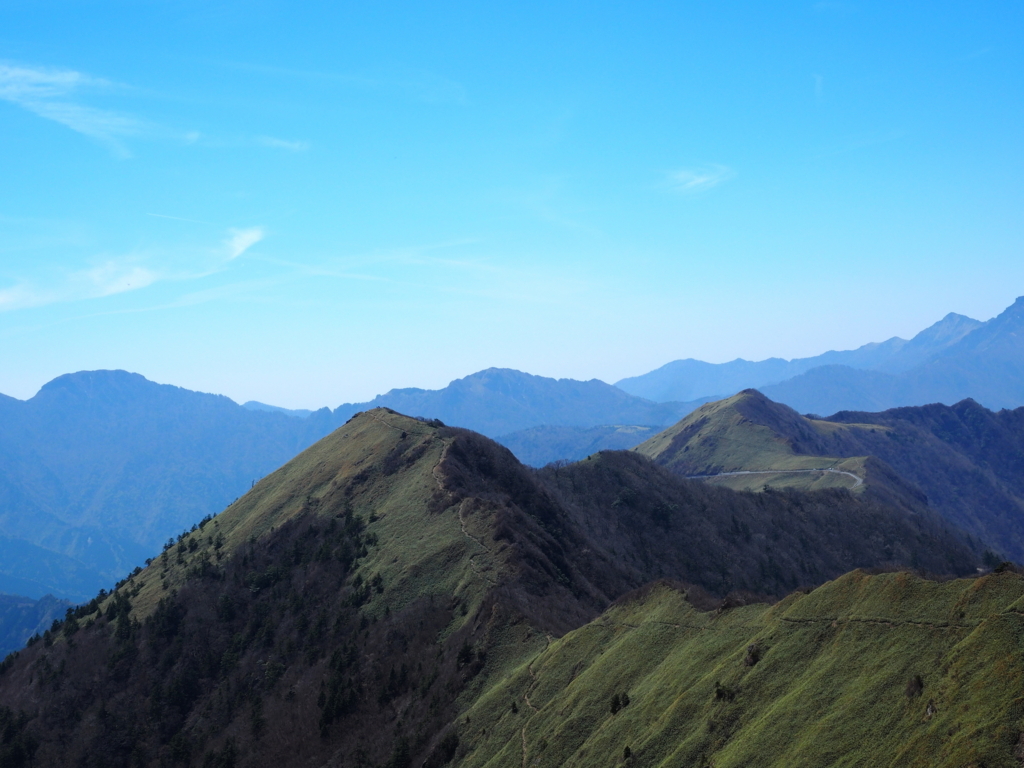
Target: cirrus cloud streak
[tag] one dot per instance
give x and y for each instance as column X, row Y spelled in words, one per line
column 689, row 181
column 108, row 276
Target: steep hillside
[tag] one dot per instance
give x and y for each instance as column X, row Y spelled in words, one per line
column 967, row 459
column 890, row 671
column 663, row 526
column 964, row 459
column 353, row 606
column 100, row 467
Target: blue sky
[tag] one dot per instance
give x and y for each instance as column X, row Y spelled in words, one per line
column 307, row 204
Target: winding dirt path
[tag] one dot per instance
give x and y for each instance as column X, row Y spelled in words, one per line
column 858, row 481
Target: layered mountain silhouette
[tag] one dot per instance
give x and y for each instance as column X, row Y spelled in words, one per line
column 404, row 593
column 499, row 401
column 955, row 359
column 100, row 467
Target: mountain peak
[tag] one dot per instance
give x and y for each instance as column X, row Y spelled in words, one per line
column 1016, row 309
column 103, row 385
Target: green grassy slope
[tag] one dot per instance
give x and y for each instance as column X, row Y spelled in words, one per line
column 770, row 444
column 886, row 670
column 963, row 461
column 360, row 604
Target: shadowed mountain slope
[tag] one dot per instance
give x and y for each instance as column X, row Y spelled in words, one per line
column 355, row 603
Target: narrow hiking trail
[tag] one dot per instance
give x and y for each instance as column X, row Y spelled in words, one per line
column 467, row 534
column 858, row 481
column 526, row 693
column 462, row 520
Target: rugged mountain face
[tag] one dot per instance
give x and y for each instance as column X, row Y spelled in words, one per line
column 964, row 461
column 661, row 526
column 986, row 364
column 967, row 459
column 353, row 606
column 498, row 401
column 692, row 379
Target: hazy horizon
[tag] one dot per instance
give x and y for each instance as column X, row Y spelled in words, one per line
column 312, row 205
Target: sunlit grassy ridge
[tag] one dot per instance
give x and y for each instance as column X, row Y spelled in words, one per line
column 748, row 432
column 435, row 560
column 405, row 593
column 887, row 670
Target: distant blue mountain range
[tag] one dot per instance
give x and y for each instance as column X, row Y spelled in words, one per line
column 101, row 467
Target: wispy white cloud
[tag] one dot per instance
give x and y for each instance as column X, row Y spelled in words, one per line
column 108, row 276
column 695, row 180
column 291, row 146
column 241, row 240
column 55, row 94
column 105, row 278
column 62, row 95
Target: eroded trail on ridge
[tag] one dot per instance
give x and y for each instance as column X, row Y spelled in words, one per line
column 858, row 481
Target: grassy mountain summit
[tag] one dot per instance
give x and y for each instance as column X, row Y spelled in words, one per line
column 963, row 461
column 100, row 467
column 747, row 441
column 358, row 603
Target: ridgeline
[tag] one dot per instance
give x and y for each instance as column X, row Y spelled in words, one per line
column 404, row 593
